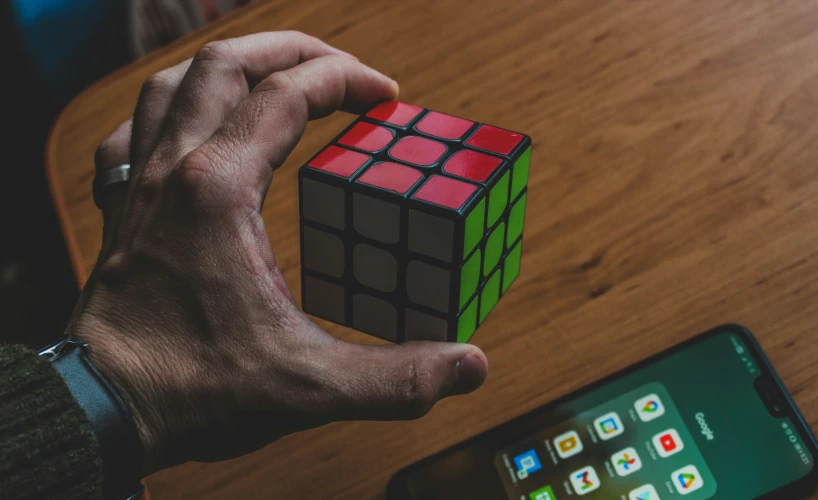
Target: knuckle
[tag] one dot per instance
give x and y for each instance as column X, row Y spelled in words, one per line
column 283, row 91
column 192, row 172
column 214, row 51
column 161, row 82
column 218, row 60
column 419, row 390
column 299, row 36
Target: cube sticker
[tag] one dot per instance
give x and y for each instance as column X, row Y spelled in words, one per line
column 428, row 285
column 375, row 316
column 367, row 137
column 511, row 265
column 422, row 326
column 375, row 208
column 516, row 219
column 375, row 268
column 396, row 113
column 323, row 203
column 324, row 299
column 443, row 126
column 412, row 223
column 323, row 252
column 418, row 151
column 494, row 248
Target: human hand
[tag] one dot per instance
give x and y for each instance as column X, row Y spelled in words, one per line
column 186, row 311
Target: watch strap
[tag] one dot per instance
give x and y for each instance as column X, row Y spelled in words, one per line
column 108, row 417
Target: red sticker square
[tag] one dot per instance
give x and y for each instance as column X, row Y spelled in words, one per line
column 446, row 192
column 472, row 165
column 444, row 126
column 338, row 161
column 418, row 151
column 391, row 176
column 495, row 139
column 395, row 112
column 367, row 137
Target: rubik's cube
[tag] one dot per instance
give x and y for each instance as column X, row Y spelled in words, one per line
column 412, row 222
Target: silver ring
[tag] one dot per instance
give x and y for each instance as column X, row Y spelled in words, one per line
column 108, row 177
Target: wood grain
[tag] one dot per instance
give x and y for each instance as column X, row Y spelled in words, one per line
column 673, row 187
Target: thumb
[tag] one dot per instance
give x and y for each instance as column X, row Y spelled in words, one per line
column 403, row 381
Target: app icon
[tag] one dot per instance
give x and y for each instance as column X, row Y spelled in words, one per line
column 568, row 444
column 687, row 480
column 608, row 426
column 644, row 492
column 527, row 463
column 584, row 480
column 545, row 493
column 649, row 408
column 626, row 461
column 668, row 443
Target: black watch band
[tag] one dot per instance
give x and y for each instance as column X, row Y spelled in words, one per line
column 108, row 418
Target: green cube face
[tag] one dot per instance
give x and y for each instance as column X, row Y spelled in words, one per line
column 411, row 223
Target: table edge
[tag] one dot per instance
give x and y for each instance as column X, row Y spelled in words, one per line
column 51, row 170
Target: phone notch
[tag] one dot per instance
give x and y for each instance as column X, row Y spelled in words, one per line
column 771, row 395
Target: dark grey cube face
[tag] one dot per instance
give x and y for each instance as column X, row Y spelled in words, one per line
column 375, row 267
column 324, row 299
column 375, row 316
column 429, row 285
column 421, row 326
column 431, row 235
column 323, row 252
column 323, row 203
column 376, row 219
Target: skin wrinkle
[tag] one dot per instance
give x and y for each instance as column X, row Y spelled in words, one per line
column 187, row 311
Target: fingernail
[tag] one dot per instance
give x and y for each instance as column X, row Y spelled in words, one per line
column 395, row 89
column 471, row 372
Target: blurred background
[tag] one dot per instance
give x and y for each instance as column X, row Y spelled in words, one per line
column 55, row 49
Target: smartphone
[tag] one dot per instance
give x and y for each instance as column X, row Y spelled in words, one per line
column 706, row 419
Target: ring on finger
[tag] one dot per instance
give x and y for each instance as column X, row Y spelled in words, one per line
column 107, row 178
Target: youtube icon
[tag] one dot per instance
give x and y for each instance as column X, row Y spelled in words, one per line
column 668, row 443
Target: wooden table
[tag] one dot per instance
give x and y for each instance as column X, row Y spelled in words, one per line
column 674, row 187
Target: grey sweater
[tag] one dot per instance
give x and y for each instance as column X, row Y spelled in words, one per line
column 47, row 449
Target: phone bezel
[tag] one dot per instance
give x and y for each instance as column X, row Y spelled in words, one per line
column 398, row 488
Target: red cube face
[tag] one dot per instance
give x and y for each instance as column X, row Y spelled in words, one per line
column 412, row 223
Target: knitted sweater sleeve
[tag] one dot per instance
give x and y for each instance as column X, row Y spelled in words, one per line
column 47, row 449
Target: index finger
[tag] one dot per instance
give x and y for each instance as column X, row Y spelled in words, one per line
column 266, row 126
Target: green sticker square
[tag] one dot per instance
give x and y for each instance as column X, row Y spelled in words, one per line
column 470, row 277
column 474, row 229
column 489, row 296
column 544, row 493
column 498, row 200
column 516, row 219
column 511, row 266
column 467, row 323
column 494, row 248
column 519, row 173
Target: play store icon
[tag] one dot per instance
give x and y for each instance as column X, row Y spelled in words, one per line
column 644, row 492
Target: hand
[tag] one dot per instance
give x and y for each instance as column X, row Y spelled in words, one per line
column 186, row 311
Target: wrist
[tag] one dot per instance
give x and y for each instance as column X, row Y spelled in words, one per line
column 107, row 416
column 124, row 372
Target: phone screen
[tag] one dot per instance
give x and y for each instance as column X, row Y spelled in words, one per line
column 691, row 424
